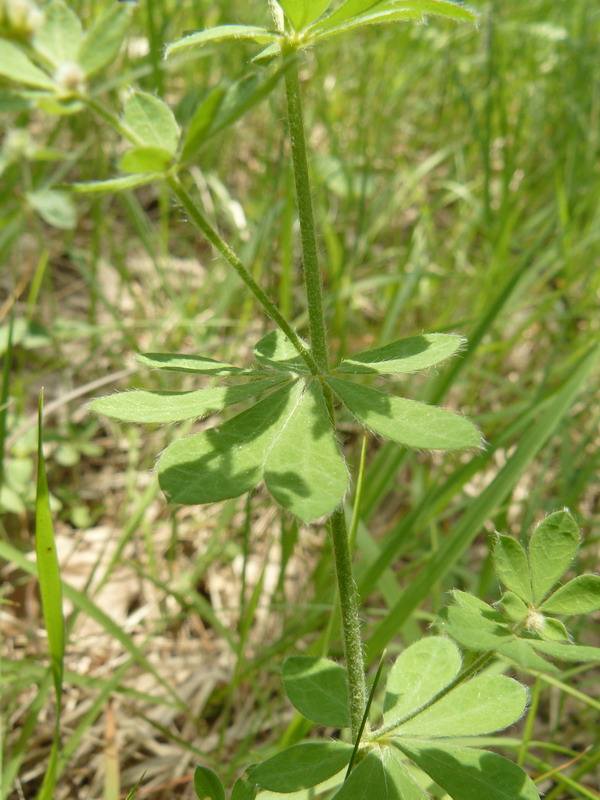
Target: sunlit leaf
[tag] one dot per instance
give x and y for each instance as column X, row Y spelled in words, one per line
column 406, row 421
column 201, row 365
column 207, row 784
column 301, row 766
column 152, row 122
column 484, row 704
column 302, row 12
column 112, row 185
column 579, row 596
column 512, row 566
column 146, row 159
column 54, row 207
column 468, row 774
column 222, row 33
column 201, row 122
column 512, row 605
column 419, row 672
column 15, row 65
column 103, row 39
column 162, row 407
column 380, row 775
column 275, row 350
column 404, row 356
column 318, row 689
column 553, row 546
column 567, row 652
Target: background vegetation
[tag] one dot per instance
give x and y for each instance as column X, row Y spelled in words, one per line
column 457, row 189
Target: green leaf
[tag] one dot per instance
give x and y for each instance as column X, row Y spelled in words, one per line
column 553, row 546
column 512, row 605
column 381, row 776
column 302, row 766
column 303, row 12
column 406, row 421
column 15, row 65
column 275, row 350
column 349, row 8
column 553, row 630
column 162, row 407
column 512, row 566
column 485, row 704
column 112, row 185
column 404, row 356
column 579, row 596
column 103, row 39
column 318, row 689
column 222, row 33
column 242, row 790
column 207, row 784
column 472, row 630
column 567, row 652
column 228, row 460
column 304, row 469
column 146, row 159
column 522, row 653
column 59, row 38
column 419, row 672
column 201, row 122
column 468, row 774
column 184, row 363
column 151, row 121
column 54, row 207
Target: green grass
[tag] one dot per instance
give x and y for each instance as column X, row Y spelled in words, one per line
column 456, row 190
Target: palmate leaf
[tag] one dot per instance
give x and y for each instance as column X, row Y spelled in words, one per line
column 552, row 547
column 318, row 689
column 512, row 566
column 103, row 39
column 15, row 65
column 275, row 350
column 201, row 365
column 468, row 774
column 146, row 159
column 380, row 775
column 60, row 36
column 301, row 766
column 112, row 184
column 151, row 121
column 419, row 672
column 162, row 407
column 403, row 356
column 302, row 12
column 287, row 439
column 207, row 784
column 406, row 421
column 222, row 33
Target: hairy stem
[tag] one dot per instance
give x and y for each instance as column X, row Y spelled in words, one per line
column 312, row 273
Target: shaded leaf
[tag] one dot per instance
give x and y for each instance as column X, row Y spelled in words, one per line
column 318, row 689
column 512, row 566
column 112, row 185
column 579, row 596
column 512, row 605
column 553, row 546
column 59, row 37
column 201, row 122
column 522, row 653
column 553, row 630
column 103, row 39
column 380, row 775
column 146, row 159
column 162, row 407
column 468, row 774
column 304, row 469
column 151, row 121
column 222, row 33
column 275, row 350
column 407, row 421
column 243, row 790
column 472, row 630
column 484, row 704
column 419, row 672
column 15, row 65
column 567, row 652
column 301, row 766
column 302, row 12
column 207, row 784
column 201, row 365
column 404, row 356
column 228, row 460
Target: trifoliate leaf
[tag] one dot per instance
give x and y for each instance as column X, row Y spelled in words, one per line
column 406, row 421
column 301, row 766
column 468, row 774
column 318, row 689
column 552, row 548
column 304, row 469
column 419, row 672
column 579, row 596
column 403, row 356
column 512, row 566
column 162, row 407
column 485, row 704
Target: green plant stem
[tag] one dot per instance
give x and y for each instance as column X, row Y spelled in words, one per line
column 312, row 273
column 350, row 621
column 228, row 254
